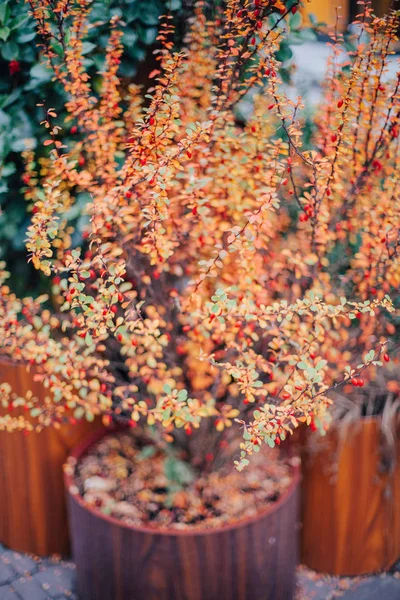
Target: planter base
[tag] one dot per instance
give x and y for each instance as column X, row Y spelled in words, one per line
column 253, row 560
column 33, row 515
column 350, row 510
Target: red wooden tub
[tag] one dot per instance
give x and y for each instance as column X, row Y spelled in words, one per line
column 253, row 559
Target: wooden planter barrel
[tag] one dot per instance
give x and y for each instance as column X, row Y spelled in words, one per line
column 350, row 503
column 251, row 560
column 33, row 514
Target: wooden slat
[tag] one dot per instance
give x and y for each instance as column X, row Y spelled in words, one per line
column 350, row 508
column 32, row 498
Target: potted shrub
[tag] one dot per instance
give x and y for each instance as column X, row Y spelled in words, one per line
column 203, row 306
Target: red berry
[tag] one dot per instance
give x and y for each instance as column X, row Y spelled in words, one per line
column 14, row 67
column 119, row 337
column 128, row 195
column 294, row 10
column 81, row 161
column 74, row 129
column 92, row 274
column 103, row 388
column 386, row 357
column 151, row 120
column 340, row 104
column 354, row 381
column 114, row 309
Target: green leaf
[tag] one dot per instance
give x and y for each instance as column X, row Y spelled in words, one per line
column 321, row 364
column 41, row 73
column 19, row 21
column 284, row 53
column 79, row 412
column 177, row 471
column 87, row 47
column 4, row 11
column 4, row 33
column 182, row 395
column 295, row 20
column 146, row 452
column 10, row 51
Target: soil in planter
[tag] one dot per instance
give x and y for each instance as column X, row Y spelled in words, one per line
column 141, row 486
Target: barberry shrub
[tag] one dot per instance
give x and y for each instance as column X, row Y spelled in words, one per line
column 232, row 274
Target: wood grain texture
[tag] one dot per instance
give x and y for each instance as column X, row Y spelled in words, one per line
column 32, row 499
column 254, row 560
column 350, row 508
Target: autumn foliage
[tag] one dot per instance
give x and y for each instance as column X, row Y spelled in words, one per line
column 233, row 274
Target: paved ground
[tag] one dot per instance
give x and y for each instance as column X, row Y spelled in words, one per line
column 24, row 577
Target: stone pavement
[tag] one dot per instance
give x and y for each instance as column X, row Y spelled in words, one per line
column 25, row 577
